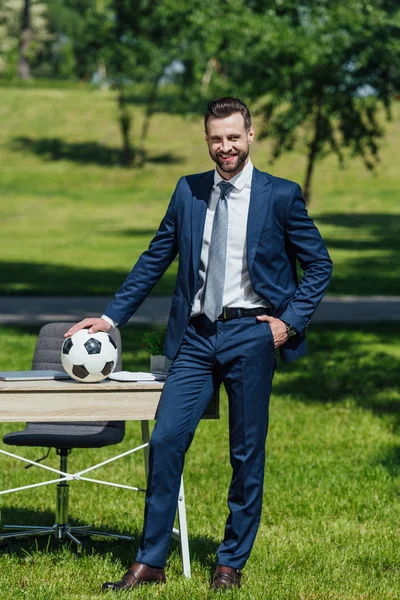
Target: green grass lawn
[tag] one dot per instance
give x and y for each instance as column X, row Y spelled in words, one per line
column 330, row 526
column 74, row 222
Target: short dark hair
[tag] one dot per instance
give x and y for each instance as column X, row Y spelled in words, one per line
column 225, row 107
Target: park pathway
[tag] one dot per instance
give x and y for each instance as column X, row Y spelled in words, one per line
column 36, row 310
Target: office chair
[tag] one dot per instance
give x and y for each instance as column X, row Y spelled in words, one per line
column 63, row 437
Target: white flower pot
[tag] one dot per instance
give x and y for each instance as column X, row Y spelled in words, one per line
column 159, row 363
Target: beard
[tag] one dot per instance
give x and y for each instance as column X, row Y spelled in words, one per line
column 232, row 166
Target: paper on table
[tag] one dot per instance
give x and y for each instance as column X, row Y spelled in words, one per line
column 131, row 376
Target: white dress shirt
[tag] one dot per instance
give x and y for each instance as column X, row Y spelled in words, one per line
column 109, row 321
column 238, row 290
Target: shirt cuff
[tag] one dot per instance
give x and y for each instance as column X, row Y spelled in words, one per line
column 110, row 321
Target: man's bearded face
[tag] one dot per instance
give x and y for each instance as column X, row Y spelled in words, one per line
column 228, row 143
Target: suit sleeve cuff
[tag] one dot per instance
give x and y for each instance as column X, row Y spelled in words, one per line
column 299, row 322
column 110, row 321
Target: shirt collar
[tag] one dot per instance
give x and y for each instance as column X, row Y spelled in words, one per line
column 239, row 180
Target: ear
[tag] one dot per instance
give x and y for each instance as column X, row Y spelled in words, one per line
column 250, row 135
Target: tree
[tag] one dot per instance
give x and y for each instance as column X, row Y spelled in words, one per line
column 323, row 70
column 25, row 39
column 8, row 31
column 23, row 33
column 319, row 73
column 68, row 55
column 138, row 43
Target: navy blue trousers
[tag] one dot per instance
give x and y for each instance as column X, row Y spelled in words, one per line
column 239, row 353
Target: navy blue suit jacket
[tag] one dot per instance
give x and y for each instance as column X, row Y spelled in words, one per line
column 279, row 232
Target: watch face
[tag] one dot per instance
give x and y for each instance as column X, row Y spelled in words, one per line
column 290, row 330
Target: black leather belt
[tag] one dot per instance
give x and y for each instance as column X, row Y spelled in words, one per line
column 237, row 313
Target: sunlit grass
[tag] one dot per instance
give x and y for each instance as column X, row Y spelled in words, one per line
column 74, row 222
column 330, row 526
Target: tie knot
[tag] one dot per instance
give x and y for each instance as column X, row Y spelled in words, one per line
column 225, row 187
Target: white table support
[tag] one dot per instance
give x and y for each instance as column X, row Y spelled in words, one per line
column 66, row 400
column 181, row 534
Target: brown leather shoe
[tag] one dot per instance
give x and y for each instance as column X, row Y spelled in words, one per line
column 138, row 574
column 225, row 578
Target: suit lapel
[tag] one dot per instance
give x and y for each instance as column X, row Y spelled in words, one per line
column 201, row 194
column 259, row 200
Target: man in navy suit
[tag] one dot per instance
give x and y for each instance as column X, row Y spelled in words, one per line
column 239, row 233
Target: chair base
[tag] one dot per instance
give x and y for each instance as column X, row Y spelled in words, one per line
column 61, row 533
column 61, row 530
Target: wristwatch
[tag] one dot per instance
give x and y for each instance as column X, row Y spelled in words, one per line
column 290, row 330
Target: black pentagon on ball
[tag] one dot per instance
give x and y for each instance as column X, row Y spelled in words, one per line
column 80, row 371
column 67, row 345
column 112, row 341
column 93, row 346
column 108, row 367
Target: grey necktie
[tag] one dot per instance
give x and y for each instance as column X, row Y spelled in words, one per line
column 214, row 290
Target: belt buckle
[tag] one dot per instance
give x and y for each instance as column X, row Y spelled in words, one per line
column 224, row 313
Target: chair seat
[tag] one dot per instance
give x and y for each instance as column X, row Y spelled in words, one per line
column 66, row 435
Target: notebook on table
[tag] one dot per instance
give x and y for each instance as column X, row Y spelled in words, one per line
column 32, row 375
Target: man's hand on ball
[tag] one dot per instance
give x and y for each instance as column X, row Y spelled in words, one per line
column 278, row 329
column 92, row 324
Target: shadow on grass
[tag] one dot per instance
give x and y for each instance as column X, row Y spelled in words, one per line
column 83, row 152
column 25, row 278
column 365, row 233
column 366, row 276
column 381, row 230
column 378, row 274
column 202, row 548
column 348, row 363
column 134, row 232
column 391, row 462
column 45, row 518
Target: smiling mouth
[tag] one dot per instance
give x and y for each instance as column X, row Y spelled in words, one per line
column 228, row 157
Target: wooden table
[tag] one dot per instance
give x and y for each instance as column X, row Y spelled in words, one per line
column 67, row 400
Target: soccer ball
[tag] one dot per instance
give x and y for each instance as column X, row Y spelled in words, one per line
column 89, row 357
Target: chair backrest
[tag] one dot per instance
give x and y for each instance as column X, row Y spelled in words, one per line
column 47, row 355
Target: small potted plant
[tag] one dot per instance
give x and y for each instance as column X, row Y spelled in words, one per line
column 154, row 344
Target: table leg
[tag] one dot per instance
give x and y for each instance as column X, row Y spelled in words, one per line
column 146, row 440
column 183, row 532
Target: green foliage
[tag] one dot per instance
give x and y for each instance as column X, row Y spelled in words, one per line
column 68, row 54
column 153, row 341
column 10, row 22
column 318, row 72
column 322, row 71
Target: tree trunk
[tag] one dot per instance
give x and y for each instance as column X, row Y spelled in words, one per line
column 124, row 116
column 101, row 66
column 25, row 38
column 141, row 157
column 213, row 66
column 125, row 122
column 102, row 74
column 313, row 152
